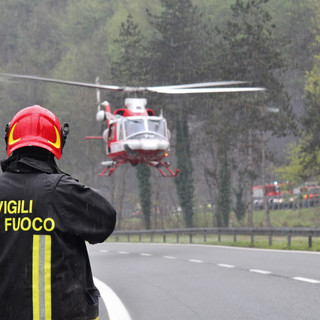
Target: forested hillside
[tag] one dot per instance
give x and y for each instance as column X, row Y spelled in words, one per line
column 223, row 143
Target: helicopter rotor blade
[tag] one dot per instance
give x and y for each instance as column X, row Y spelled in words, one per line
column 199, row 85
column 207, row 90
column 72, row 83
column 174, row 89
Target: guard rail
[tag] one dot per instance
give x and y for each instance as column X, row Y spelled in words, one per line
column 309, row 233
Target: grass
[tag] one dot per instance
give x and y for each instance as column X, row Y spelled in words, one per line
column 303, row 217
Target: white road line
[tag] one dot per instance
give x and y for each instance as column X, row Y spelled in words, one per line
column 195, row 260
column 146, row 254
column 260, row 271
column 123, row 252
column 306, row 280
column 115, row 307
column 225, row 265
column 169, row 257
column 103, row 251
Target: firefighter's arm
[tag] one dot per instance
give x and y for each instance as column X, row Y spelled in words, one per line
column 84, row 211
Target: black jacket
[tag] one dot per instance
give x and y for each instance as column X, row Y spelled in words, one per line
column 45, row 218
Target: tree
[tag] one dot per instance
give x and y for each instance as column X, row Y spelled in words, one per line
column 143, row 175
column 296, row 170
column 127, row 69
column 251, row 52
column 311, row 119
column 240, row 206
column 184, row 180
column 174, row 56
column 224, row 186
column 304, row 156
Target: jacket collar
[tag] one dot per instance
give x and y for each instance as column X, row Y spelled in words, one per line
column 26, row 162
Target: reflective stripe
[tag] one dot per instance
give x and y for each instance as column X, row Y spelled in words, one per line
column 35, row 277
column 41, row 277
column 47, row 277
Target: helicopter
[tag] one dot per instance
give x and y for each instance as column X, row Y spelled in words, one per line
column 134, row 134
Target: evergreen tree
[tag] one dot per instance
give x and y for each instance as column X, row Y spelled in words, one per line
column 224, row 186
column 127, row 69
column 184, row 180
column 175, row 49
column 143, row 175
column 174, row 57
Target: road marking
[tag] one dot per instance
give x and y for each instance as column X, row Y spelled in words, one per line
column 170, row 257
column 260, row 271
column 195, row 260
column 226, row 265
column 115, row 307
column 103, row 251
column 306, row 280
column 146, row 254
column 123, row 252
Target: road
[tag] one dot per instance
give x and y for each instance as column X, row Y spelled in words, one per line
column 189, row 282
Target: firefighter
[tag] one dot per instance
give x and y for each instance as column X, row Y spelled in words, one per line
column 45, row 218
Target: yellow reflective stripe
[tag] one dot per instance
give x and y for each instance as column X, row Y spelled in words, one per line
column 47, row 277
column 35, row 277
column 11, row 140
column 41, row 277
column 56, row 144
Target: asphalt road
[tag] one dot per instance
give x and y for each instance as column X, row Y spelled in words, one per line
column 189, row 282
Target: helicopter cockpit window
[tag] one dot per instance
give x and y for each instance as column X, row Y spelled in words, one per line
column 112, row 132
column 134, row 126
column 157, row 126
column 121, row 132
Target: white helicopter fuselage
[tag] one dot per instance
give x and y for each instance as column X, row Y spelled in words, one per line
column 137, row 138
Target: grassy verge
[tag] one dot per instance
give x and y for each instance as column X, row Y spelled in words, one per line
column 304, row 217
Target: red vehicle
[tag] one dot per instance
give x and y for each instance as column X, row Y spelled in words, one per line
column 271, row 191
column 268, row 190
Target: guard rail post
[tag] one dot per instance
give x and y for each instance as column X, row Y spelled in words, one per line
column 270, row 238
column 289, row 240
column 310, row 241
column 252, row 238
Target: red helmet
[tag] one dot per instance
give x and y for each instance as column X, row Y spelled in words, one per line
column 35, row 126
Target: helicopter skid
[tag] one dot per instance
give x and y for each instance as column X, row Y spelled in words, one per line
column 110, row 167
column 160, row 164
column 113, row 165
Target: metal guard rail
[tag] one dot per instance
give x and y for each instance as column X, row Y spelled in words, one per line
column 252, row 232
